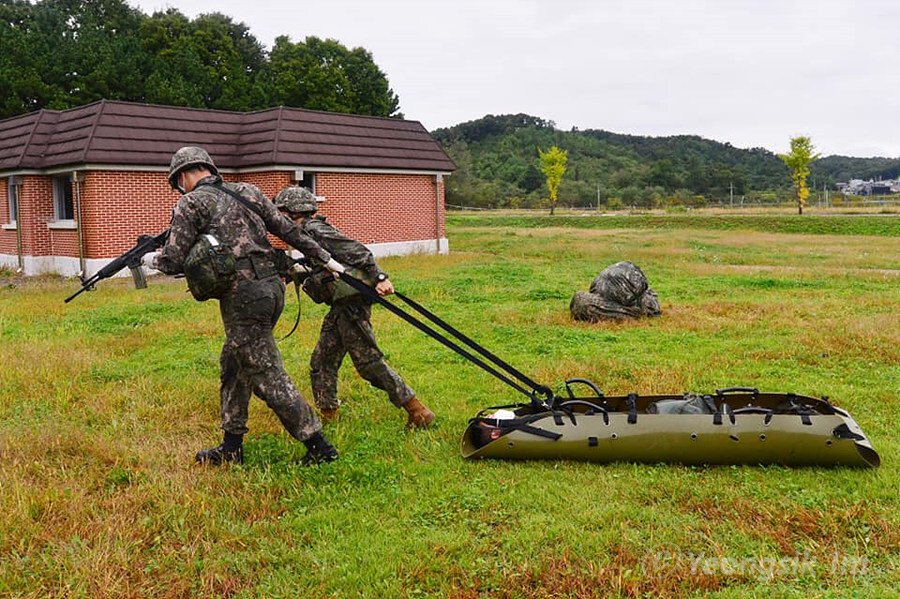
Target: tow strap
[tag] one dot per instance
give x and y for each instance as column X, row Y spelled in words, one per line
column 539, row 394
column 296, row 320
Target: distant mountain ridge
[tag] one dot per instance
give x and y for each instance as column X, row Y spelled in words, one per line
column 498, row 166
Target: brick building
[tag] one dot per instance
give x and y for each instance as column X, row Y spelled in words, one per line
column 78, row 186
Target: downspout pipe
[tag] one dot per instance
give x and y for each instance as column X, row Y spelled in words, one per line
column 438, row 179
column 78, row 179
column 15, row 187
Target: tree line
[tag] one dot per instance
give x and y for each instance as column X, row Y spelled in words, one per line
column 499, row 166
column 59, row 54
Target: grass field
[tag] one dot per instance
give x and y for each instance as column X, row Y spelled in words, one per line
column 105, row 400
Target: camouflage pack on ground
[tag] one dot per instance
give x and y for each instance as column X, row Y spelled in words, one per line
column 620, row 291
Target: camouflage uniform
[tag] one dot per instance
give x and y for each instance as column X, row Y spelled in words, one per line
column 620, row 291
column 347, row 327
column 250, row 361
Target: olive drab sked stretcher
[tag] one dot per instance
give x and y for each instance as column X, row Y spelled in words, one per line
column 733, row 426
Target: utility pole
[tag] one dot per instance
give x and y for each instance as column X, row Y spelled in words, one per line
column 731, row 193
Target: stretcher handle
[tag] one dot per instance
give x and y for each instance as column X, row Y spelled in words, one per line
column 753, row 390
column 581, row 402
column 754, row 410
column 583, row 382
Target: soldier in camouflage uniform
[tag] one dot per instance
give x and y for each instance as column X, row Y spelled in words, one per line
column 347, row 327
column 250, row 361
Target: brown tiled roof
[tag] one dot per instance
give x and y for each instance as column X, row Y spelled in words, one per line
column 129, row 134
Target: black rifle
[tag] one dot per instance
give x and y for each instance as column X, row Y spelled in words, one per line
column 131, row 259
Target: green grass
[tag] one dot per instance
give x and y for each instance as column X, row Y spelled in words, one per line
column 105, row 400
column 835, row 224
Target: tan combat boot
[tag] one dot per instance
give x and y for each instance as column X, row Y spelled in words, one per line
column 328, row 414
column 419, row 415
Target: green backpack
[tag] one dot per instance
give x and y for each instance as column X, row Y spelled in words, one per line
column 322, row 287
column 210, row 269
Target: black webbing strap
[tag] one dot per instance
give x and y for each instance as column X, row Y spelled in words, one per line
column 237, row 196
column 533, row 430
column 297, row 321
column 459, row 335
column 723, row 409
column 631, row 402
column 370, row 293
column 520, row 424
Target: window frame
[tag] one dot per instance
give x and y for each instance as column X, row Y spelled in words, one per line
column 63, row 197
column 308, row 181
column 12, row 196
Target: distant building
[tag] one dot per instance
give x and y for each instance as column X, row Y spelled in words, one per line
column 858, row 187
column 86, row 182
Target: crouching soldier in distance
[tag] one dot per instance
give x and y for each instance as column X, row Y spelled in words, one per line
column 347, row 327
column 231, row 221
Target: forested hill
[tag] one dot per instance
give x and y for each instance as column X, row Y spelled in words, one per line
column 498, row 165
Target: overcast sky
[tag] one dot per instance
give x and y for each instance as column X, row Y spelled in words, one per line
column 749, row 72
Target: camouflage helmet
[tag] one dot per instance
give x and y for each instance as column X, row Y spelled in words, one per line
column 187, row 157
column 296, row 200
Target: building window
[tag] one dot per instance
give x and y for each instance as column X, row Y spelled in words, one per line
column 308, row 181
column 63, row 204
column 13, row 196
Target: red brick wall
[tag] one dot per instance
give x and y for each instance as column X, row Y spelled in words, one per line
column 35, row 211
column 118, row 206
column 380, row 208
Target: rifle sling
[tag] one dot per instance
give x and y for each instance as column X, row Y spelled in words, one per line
column 244, row 201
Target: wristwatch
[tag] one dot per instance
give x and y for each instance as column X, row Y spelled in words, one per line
column 382, row 276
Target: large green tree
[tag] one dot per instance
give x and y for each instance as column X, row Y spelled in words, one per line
column 210, row 62
column 22, row 60
column 325, row 75
column 798, row 160
column 63, row 53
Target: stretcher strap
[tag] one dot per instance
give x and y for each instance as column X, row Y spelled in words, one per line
column 483, row 351
column 519, row 424
column 371, row 294
column 631, row 402
column 296, row 320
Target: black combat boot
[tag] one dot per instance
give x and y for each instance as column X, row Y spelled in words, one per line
column 231, row 450
column 319, row 450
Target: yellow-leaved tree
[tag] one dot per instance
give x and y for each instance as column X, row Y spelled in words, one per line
column 798, row 160
column 553, row 165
